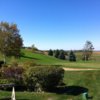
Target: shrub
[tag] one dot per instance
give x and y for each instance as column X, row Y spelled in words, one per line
column 5, row 81
column 43, row 78
column 15, row 74
column 5, row 84
column 28, row 64
column 14, row 62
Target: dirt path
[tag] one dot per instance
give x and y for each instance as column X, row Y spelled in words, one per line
column 77, row 69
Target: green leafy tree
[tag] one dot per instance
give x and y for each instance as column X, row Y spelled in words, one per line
column 62, row 55
column 10, row 40
column 50, row 52
column 72, row 56
column 87, row 50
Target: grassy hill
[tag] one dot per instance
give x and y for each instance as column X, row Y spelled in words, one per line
column 40, row 58
column 43, row 59
column 73, row 79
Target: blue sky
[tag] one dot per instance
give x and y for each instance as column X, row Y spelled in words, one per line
column 54, row 24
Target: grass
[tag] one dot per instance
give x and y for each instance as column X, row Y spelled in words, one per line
column 49, row 60
column 35, row 96
column 85, row 79
column 41, row 58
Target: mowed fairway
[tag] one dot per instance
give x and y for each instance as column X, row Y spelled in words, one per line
column 86, row 79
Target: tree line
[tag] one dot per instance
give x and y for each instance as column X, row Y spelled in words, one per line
column 11, row 43
column 61, row 54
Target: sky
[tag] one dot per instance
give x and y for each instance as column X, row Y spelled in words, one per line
column 54, row 24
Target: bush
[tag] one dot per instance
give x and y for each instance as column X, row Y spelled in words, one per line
column 14, row 74
column 5, row 84
column 4, row 81
column 27, row 64
column 43, row 78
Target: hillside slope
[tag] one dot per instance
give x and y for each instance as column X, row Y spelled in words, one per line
column 40, row 58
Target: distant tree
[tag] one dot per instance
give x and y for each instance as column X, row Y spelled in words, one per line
column 56, row 53
column 72, row 56
column 50, row 52
column 62, row 55
column 10, row 40
column 87, row 50
column 34, row 48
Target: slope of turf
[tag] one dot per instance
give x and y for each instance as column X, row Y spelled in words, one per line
column 40, row 58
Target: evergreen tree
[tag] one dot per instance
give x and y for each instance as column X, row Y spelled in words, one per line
column 62, row 55
column 56, row 53
column 72, row 56
column 50, row 52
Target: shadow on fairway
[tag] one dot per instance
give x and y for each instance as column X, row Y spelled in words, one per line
column 30, row 57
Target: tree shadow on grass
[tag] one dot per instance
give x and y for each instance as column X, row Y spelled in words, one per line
column 70, row 90
column 30, row 57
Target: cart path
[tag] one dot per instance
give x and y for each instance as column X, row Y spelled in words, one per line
column 78, row 69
